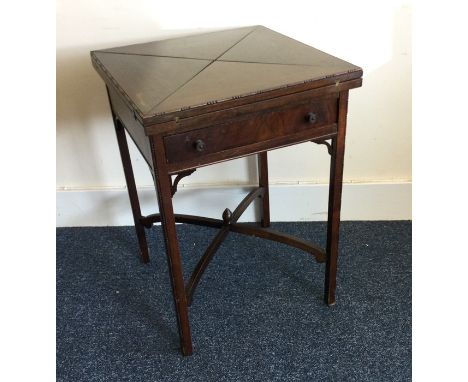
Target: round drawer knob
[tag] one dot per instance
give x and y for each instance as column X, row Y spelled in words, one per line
column 199, row 145
column 311, row 117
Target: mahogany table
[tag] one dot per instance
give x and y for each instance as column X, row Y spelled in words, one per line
column 194, row 101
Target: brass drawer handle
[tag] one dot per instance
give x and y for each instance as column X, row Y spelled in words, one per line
column 199, row 145
column 311, row 117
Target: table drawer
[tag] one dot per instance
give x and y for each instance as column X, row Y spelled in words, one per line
column 251, row 129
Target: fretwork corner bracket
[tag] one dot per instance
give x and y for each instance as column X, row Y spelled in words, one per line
column 324, row 142
column 179, row 177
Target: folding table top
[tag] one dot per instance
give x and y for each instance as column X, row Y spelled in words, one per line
column 212, row 71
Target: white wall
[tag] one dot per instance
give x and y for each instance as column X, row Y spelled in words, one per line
column 373, row 35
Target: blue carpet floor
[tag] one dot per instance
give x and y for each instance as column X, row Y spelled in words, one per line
column 257, row 314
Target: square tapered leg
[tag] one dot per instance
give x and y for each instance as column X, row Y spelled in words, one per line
column 163, row 189
column 262, row 160
column 334, row 200
column 131, row 187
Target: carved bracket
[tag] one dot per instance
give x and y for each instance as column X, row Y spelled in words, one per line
column 324, row 142
column 179, row 177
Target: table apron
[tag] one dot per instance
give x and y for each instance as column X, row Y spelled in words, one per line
column 317, row 134
column 253, row 132
column 131, row 124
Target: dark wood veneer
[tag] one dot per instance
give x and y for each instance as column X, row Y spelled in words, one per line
column 252, row 128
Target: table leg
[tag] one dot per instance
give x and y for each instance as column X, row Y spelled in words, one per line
column 334, row 200
column 163, row 189
column 131, row 187
column 262, row 159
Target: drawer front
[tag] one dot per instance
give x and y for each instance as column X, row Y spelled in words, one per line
column 306, row 118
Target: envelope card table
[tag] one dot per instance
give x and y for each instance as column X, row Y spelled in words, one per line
column 197, row 100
